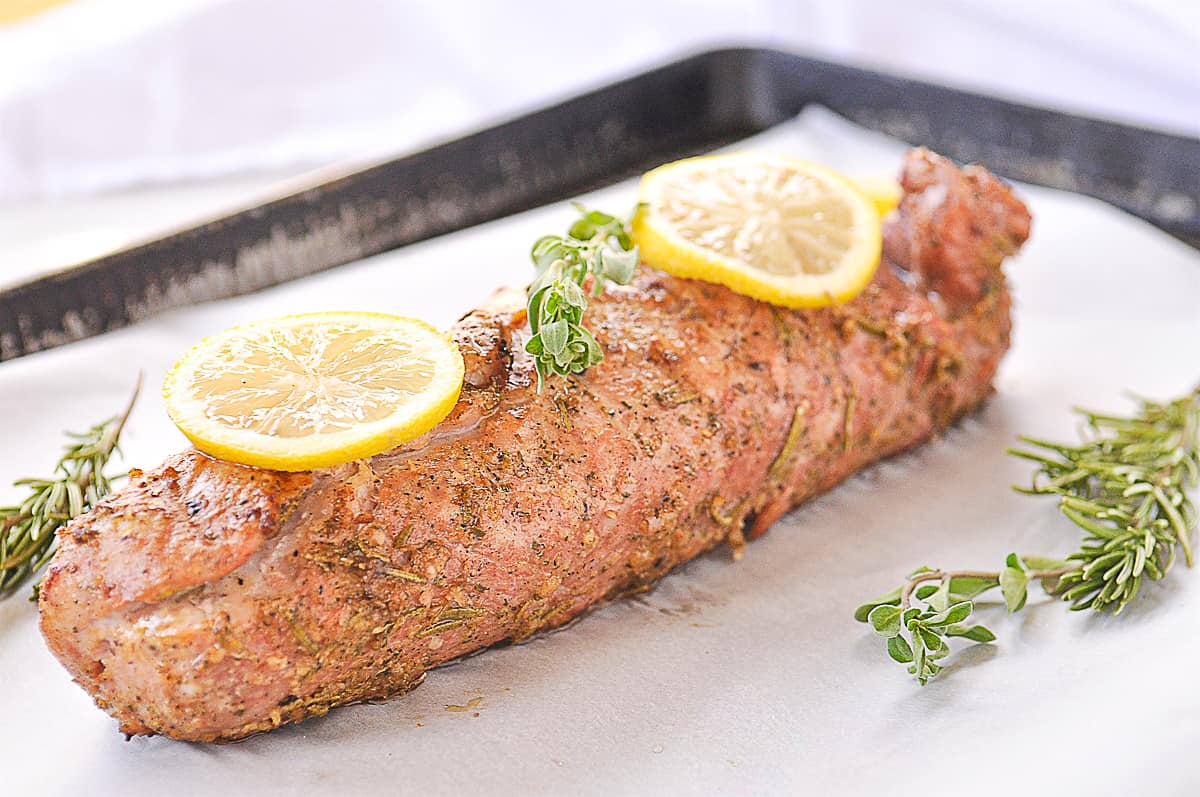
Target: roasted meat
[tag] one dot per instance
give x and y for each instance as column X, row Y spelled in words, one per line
column 209, row 601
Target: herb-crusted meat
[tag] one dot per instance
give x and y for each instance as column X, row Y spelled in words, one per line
column 209, row 601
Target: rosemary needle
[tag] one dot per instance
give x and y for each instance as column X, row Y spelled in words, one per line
column 27, row 529
column 1125, row 486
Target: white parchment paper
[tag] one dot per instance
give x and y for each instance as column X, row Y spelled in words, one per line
column 744, row 678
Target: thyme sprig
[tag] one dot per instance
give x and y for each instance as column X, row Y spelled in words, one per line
column 597, row 244
column 1125, row 486
column 27, row 529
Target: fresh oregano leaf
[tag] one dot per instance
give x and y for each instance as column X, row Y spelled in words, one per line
column 967, row 587
column 952, row 614
column 555, row 336
column 975, row 633
column 885, row 620
column 933, row 641
column 957, row 613
column 619, row 265
column 1043, row 562
column 899, row 649
column 1014, row 584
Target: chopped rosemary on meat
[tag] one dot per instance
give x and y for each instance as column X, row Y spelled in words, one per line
column 596, row 244
column 1125, row 486
column 27, row 529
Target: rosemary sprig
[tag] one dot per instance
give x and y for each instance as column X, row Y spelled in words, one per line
column 27, row 529
column 596, row 244
column 1125, row 486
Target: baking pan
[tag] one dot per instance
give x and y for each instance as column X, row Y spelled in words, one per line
column 584, row 143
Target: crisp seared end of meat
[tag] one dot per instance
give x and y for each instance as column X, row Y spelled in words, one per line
column 190, row 521
column 482, row 336
column 208, row 601
column 953, row 228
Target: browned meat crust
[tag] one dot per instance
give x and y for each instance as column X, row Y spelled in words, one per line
column 210, row 601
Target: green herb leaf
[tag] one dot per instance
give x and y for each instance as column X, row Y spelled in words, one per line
column 967, row 587
column 957, row 613
column 618, row 265
column 885, row 620
column 555, row 336
column 1043, row 563
column 899, row 649
column 1014, row 583
column 919, row 658
column 933, row 641
column 975, row 633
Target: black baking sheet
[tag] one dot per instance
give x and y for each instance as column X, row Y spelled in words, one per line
column 586, row 142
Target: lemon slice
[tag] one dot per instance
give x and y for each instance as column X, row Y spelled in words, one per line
column 884, row 192
column 770, row 226
column 314, row 390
